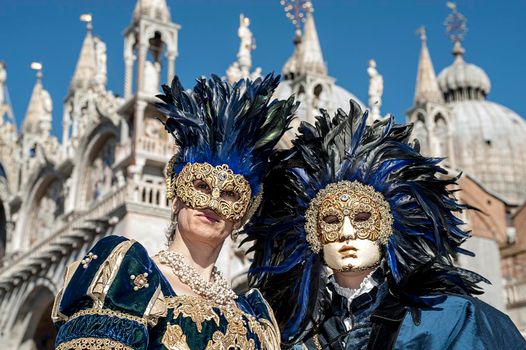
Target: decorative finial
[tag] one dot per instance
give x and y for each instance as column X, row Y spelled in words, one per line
column 297, row 11
column 38, row 67
column 87, row 17
column 456, row 30
column 422, row 32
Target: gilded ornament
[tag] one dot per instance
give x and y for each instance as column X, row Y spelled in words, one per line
column 140, row 281
column 220, row 180
column 85, row 262
column 174, row 339
column 366, row 208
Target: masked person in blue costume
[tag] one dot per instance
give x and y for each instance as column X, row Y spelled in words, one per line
column 118, row 297
column 354, row 245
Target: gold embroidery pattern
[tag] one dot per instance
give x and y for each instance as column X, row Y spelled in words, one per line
column 174, row 339
column 92, row 344
column 238, row 323
column 107, row 312
column 196, row 308
column 345, row 198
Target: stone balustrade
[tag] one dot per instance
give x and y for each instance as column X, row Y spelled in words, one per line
column 73, row 234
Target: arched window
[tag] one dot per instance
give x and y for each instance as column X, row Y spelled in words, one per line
column 442, row 137
column 49, row 206
column 420, row 133
column 100, row 176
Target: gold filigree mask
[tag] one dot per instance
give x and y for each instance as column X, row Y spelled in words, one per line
column 367, row 210
column 204, row 186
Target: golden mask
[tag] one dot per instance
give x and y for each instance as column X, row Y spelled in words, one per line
column 368, row 211
column 204, row 186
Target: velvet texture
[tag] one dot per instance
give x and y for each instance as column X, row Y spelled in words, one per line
column 127, row 332
column 122, row 298
column 459, row 323
column 455, row 323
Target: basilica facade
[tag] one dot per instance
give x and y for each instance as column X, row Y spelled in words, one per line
column 106, row 175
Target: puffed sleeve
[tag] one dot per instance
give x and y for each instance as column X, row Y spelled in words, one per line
column 110, row 298
column 254, row 304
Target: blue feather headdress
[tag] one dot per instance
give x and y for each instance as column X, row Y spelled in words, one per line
column 218, row 123
column 426, row 230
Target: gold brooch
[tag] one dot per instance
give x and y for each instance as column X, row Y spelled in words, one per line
column 140, row 281
column 85, row 262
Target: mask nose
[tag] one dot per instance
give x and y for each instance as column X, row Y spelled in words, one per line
column 348, row 231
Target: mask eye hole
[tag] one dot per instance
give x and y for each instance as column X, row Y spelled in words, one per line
column 362, row 216
column 331, row 219
column 202, row 186
column 230, row 195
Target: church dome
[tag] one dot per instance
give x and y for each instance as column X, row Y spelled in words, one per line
column 463, row 81
column 489, row 144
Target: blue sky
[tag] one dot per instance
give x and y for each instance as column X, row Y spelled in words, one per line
column 350, row 31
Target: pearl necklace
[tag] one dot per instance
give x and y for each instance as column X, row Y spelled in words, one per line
column 218, row 290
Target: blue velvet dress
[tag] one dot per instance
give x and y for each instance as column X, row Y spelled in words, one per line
column 116, row 298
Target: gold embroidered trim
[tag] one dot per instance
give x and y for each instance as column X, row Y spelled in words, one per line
column 200, row 310
column 93, row 344
column 174, row 339
column 107, row 312
column 317, row 342
column 107, row 272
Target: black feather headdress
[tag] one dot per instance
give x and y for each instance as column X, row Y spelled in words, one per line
column 218, row 123
column 427, row 232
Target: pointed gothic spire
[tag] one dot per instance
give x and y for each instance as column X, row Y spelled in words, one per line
column 426, row 89
column 310, row 55
column 38, row 115
column 153, row 9
column 86, row 68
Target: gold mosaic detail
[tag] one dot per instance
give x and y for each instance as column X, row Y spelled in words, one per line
column 174, row 339
column 220, row 180
column 93, row 344
column 347, row 199
column 140, row 281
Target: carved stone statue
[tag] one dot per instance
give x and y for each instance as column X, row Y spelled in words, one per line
column 241, row 68
column 100, row 52
column 246, row 45
column 376, row 89
column 151, row 76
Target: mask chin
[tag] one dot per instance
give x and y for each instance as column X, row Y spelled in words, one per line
column 352, row 255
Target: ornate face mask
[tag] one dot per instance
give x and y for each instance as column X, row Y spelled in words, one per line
column 353, row 202
column 202, row 186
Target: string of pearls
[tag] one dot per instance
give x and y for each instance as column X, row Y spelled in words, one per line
column 217, row 289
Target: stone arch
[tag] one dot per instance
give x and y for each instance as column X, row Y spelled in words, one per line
column 93, row 144
column 44, row 205
column 33, row 319
column 441, row 135
column 421, row 133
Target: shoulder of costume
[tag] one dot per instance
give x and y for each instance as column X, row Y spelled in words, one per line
column 465, row 322
column 116, row 286
column 253, row 303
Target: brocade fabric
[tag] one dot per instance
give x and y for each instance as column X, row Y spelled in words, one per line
column 121, row 300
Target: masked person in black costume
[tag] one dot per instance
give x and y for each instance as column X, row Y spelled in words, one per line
column 354, row 245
